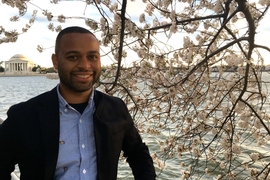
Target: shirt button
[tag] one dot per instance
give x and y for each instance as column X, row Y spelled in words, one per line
column 65, row 168
column 80, row 121
column 66, row 110
column 84, row 171
column 83, row 145
column 62, row 142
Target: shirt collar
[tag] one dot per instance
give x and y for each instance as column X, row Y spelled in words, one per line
column 63, row 102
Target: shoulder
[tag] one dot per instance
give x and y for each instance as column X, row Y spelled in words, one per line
column 26, row 114
column 34, row 102
column 102, row 97
column 111, row 105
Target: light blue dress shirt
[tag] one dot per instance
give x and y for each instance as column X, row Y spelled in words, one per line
column 77, row 148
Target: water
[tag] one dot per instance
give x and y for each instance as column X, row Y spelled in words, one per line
column 17, row 89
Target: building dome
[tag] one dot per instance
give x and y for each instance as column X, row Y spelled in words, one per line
column 19, row 57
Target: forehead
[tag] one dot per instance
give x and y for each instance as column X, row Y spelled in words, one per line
column 83, row 40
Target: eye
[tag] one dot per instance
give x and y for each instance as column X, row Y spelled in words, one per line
column 72, row 57
column 92, row 57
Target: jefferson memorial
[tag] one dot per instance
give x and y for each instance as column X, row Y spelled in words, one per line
column 18, row 64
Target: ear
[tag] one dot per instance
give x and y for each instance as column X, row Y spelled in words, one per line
column 54, row 61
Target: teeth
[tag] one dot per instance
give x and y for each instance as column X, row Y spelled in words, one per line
column 82, row 76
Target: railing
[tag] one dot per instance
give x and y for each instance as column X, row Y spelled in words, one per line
column 13, row 175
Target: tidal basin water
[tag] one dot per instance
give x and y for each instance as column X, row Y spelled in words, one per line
column 17, row 89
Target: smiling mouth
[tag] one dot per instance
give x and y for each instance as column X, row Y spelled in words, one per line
column 84, row 76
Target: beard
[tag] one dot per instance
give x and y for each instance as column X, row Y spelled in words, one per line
column 67, row 79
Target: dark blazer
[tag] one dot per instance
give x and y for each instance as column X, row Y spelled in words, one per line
column 30, row 137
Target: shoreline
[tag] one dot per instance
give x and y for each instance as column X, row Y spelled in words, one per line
column 20, row 75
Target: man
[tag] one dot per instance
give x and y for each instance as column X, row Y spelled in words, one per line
column 72, row 132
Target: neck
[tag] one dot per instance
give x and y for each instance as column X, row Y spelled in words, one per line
column 73, row 97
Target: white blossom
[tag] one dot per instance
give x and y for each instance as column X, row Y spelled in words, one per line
column 255, row 156
column 218, row 7
column 264, row 2
column 236, row 149
column 222, row 165
column 196, row 152
column 142, row 18
column 61, row 18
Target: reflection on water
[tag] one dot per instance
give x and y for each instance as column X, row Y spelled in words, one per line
column 17, row 89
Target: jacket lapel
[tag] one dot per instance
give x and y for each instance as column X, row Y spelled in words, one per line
column 106, row 168
column 48, row 113
column 103, row 163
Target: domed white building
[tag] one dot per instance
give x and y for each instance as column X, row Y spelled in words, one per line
column 18, row 64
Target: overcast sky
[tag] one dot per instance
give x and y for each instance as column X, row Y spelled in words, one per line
column 39, row 34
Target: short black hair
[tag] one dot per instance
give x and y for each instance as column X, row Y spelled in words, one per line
column 71, row 29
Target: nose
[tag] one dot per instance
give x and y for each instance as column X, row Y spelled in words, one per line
column 84, row 63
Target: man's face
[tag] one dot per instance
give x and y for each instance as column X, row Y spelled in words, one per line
column 78, row 61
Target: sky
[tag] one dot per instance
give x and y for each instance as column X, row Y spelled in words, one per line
column 39, row 34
